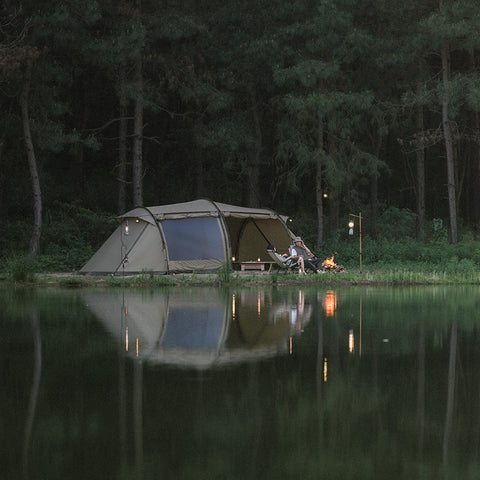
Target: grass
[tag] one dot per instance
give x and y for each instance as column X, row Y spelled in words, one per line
column 380, row 274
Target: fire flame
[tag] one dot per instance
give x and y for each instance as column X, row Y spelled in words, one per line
column 329, row 263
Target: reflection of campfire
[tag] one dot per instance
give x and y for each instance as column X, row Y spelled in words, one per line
column 330, row 265
column 330, row 303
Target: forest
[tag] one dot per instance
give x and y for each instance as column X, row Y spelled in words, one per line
column 318, row 109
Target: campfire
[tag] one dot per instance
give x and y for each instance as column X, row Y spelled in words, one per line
column 329, row 264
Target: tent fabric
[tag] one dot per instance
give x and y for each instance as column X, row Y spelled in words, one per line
column 191, row 329
column 201, row 235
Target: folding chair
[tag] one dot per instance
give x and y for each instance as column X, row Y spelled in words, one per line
column 288, row 266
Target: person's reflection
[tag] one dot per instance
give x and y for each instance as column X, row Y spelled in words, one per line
column 296, row 310
column 300, row 313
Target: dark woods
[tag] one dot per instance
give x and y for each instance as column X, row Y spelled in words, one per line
column 317, row 109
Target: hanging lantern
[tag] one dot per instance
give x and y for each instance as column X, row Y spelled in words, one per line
column 350, row 227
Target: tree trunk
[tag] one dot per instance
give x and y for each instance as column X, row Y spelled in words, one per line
column 199, row 173
column 476, row 189
column 253, row 171
column 420, row 190
column 122, row 145
column 373, row 214
column 447, row 132
column 334, row 200
column 373, row 205
column 137, row 164
column 2, row 144
column 32, row 165
column 319, row 187
column 78, row 160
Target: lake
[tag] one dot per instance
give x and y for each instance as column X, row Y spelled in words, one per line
column 246, row 383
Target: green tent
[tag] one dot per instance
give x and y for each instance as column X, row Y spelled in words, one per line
column 193, row 328
column 200, row 235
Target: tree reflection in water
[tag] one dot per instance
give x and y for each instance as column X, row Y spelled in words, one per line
column 234, row 384
column 32, row 404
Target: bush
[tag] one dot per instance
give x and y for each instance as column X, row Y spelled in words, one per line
column 19, row 268
column 464, row 266
column 396, row 223
column 70, row 236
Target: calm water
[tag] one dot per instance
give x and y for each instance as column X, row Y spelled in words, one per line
column 370, row 383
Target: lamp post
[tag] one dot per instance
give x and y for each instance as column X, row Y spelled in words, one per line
column 351, row 224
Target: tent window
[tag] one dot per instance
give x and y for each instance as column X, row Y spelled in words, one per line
column 194, row 239
column 201, row 328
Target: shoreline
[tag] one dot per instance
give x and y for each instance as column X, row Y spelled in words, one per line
column 379, row 277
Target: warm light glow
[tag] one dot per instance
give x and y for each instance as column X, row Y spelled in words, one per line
column 329, row 262
column 126, row 228
column 351, row 342
column 301, row 302
column 325, row 195
column 325, row 369
column 291, row 345
column 330, row 303
column 258, row 259
column 233, row 259
column 136, row 347
column 351, row 224
column 233, row 307
column 259, row 304
column 126, row 339
column 137, row 220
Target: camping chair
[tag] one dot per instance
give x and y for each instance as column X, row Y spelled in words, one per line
column 289, row 266
column 310, row 262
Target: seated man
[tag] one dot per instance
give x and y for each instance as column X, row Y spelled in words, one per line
column 290, row 262
column 300, row 250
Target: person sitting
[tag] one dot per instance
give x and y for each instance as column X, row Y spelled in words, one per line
column 300, row 250
column 290, row 261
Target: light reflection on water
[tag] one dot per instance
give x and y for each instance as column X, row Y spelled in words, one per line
column 196, row 329
column 247, row 383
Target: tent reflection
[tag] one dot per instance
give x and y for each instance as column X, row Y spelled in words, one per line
column 198, row 328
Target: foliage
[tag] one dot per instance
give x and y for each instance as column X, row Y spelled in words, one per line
column 224, row 274
column 253, row 102
column 19, row 268
column 396, row 223
column 71, row 235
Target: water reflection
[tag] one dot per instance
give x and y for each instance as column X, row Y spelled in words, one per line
column 192, row 329
column 269, row 385
column 33, row 399
column 195, row 329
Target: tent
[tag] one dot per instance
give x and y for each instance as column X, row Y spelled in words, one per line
column 201, row 235
column 192, row 328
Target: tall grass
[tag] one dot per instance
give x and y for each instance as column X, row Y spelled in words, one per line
column 19, row 268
